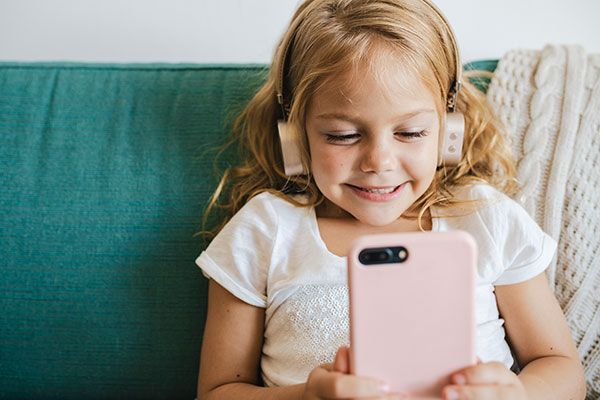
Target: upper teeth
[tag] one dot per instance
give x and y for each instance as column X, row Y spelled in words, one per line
column 388, row 190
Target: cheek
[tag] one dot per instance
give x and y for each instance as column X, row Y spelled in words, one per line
column 422, row 163
column 327, row 165
column 325, row 162
column 430, row 165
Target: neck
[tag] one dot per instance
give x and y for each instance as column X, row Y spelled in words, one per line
column 407, row 222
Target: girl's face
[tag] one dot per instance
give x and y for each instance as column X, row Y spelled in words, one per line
column 373, row 142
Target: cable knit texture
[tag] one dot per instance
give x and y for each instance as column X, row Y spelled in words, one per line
column 550, row 102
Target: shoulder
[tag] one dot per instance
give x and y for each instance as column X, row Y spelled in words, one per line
column 265, row 210
column 506, row 233
column 265, row 204
column 482, row 204
column 479, row 191
column 272, row 201
column 489, row 203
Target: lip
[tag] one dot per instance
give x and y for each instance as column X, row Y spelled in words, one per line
column 379, row 197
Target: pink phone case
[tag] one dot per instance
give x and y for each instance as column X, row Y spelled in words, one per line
column 412, row 323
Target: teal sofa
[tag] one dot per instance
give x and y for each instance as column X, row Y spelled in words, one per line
column 104, row 173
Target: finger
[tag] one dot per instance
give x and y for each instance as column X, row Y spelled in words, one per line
column 492, row 373
column 487, row 392
column 326, row 367
column 342, row 360
column 391, row 396
column 336, row 385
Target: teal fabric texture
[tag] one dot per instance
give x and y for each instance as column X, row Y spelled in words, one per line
column 104, row 176
column 105, row 170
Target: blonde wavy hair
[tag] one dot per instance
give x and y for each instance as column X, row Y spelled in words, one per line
column 329, row 37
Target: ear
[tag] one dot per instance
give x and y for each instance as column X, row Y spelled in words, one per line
column 290, row 149
column 451, row 141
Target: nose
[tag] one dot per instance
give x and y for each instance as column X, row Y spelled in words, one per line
column 378, row 157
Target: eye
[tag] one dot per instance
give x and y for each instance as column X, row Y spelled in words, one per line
column 413, row 135
column 342, row 139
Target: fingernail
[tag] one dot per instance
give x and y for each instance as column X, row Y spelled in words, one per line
column 384, row 387
column 451, row 394
column 459, row 379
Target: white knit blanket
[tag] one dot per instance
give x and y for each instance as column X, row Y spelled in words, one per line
column 550, row 102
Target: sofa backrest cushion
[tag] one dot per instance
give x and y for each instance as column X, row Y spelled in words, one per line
column 104, row 172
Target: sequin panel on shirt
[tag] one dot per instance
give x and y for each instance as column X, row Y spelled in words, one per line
column 314, row 323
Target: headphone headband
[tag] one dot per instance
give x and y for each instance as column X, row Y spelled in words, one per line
column 453, row 95
column 279, row 83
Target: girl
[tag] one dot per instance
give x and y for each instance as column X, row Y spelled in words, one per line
column 370, row 107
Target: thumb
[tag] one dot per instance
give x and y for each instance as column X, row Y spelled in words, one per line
column 342, row 360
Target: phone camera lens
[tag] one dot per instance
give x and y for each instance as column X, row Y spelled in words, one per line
column 402, row 254
column 376, row 256
column 382, row 256
column 364, row 257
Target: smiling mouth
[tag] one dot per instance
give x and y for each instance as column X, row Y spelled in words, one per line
column 384, row 190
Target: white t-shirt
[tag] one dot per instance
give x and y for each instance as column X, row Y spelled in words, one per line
column 271, row 255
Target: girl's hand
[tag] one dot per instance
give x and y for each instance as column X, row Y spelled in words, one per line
column 488, row 381
column 334, row 381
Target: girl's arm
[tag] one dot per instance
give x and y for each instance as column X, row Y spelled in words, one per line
column 230, row 359
column 542, row 343
column 541, row 339
column 231, row 349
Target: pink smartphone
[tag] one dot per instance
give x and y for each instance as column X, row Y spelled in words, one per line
column 412, row 318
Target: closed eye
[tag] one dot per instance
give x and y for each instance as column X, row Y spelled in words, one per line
column 413, row 135
column 349, row 138
column 353, row 137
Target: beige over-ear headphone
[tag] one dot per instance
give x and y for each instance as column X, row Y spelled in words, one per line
column 450, row 140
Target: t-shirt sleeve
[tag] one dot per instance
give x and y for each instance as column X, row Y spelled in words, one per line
column 526, row 250
column 239, row 257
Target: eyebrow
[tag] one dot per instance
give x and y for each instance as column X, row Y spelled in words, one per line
column 346, row 117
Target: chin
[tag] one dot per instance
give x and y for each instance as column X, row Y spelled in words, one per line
column 377, row 220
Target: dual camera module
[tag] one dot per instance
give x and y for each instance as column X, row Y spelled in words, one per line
column 383, row 255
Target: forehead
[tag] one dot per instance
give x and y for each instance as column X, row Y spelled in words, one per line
column 385, row 76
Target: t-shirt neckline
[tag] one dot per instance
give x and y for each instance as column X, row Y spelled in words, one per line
column 314, row 228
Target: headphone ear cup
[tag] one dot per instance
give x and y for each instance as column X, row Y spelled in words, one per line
column 451, row 141
column 290, row 149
